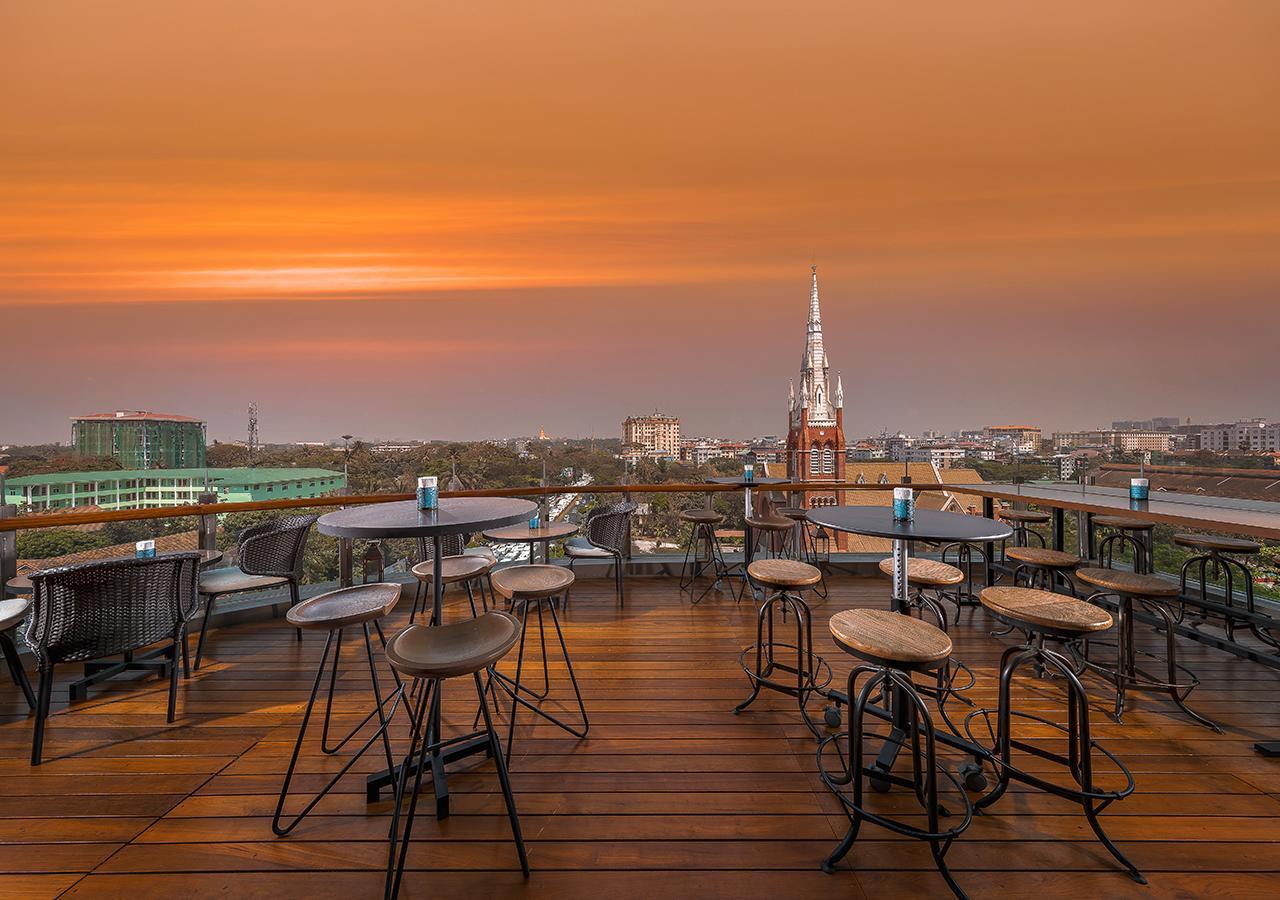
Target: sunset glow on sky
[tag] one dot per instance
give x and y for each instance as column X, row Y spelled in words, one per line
column 414, row 219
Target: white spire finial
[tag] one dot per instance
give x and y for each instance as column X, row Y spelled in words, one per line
column 839, row 392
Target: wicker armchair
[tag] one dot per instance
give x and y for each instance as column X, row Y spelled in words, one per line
column 605, row 535
column 98, row 609
column 270, row 554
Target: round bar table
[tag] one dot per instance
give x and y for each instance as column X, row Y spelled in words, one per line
column 748, row 539
column 523, row 534
column 927, row 525
column 403, row 519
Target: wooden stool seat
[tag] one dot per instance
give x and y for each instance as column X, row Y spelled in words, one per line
column 1129, row 583
column 460, row 648
column 783, row 574
column 770, row 523
column 890, row 638
column 1043, row 557
column 532, row 582
column 1024, row 515
column 454, row 569
column 1045, row 609
column 794, row 513
column 925, row 572
column 345, row 606
column 1216, row 542
column 1123, row 524
column 701, row 516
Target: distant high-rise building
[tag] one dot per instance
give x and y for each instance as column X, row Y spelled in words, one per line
column 656, row 436
column 141, row 440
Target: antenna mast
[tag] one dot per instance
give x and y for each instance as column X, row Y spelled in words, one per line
column 253, row 431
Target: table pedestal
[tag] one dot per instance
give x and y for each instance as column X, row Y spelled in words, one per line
column 462, row 747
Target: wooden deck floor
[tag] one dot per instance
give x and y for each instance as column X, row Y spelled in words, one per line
column 671, row 795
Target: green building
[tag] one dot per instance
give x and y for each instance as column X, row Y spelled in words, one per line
column 141, row 440
column 141, row 488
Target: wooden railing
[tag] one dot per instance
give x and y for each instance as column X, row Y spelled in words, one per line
column 100, row 516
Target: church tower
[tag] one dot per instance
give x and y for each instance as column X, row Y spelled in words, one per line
column 815, row 433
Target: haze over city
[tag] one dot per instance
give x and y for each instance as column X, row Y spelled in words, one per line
column 472, row 221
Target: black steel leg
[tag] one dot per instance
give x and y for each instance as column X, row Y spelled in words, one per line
column 16, row 671
column 293, row 601
column 503, row 779
column 42, row 713
column 175, row 651
column 204, row 630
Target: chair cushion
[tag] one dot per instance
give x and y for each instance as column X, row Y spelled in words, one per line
column 232, row 580
column 345, row 606
column 443, row 651
column 581, row 548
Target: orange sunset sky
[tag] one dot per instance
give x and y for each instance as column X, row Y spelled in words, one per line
column 434, row 220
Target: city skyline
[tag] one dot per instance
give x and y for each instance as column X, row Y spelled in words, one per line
column 491, row 219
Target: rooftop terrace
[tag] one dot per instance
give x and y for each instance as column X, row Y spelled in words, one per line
column 671, row 794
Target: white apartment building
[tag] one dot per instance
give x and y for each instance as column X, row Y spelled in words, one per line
column 940, row 456
column 657, row 435
column 1252, row 436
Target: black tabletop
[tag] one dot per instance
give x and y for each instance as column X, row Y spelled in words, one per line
column 928, row 524
column 743, row 482
column 455, row 515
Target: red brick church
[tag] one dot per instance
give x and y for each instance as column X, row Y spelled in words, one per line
column 815, row 434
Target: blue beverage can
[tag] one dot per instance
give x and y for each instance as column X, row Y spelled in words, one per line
column 428, row 492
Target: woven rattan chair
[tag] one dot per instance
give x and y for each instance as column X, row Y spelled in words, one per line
column 605, row 535
column 98, row 609
column 270, row 556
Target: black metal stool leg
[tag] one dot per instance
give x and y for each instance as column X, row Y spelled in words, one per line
column 500, row 763
column 16, row 671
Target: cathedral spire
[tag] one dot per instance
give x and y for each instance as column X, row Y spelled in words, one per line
column 815, row 392
column 839, row 392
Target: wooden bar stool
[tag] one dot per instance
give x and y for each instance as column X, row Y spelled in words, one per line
column 776, row 532
column 536, row 586
column 1044, row 568
column 893, row 647
column 1124, row 532
column 1153, row 594
column 803, row 544
column 1221, row 553
column 466, row 570
column 1046, row 615
column 430, row 655
column 702, row 551
column 1021, row 520
column 803, row 672
column 333, row 613
column 932, row 576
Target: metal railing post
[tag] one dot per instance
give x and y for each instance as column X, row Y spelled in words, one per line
column 207, row 524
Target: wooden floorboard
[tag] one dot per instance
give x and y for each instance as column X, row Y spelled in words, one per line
column 671, row 794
